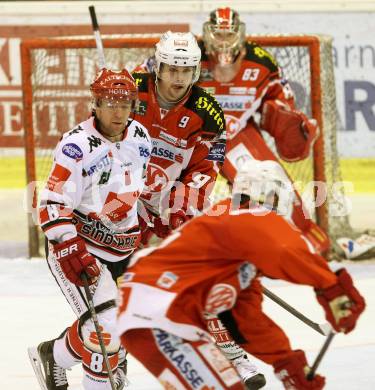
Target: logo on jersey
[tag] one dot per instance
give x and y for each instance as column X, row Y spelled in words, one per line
column 235, row 103
column 233, row 126
column 180, row 143
column 94, row 142
column 221, row 297
column 185, row 360
column 73, row 151
column 205, row 103
column 167, row 279
column 217, row 152
column 144, row 151
column 156, row 179
column 104, row 178
column 165, row 153
column 210, row 90
column 75, row 131
column 242, row 91
column 246, row 273
column 97, row 166
column 57, row 178
column 140, row 133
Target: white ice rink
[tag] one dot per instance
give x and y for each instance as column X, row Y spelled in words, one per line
column 33, row 309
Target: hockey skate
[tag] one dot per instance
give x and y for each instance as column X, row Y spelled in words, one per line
column 51, row 376
column 249, row 374
column 121, row 379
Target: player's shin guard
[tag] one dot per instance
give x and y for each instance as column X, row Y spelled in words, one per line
column 68, row 348
column 232, row 351
column 181, row 364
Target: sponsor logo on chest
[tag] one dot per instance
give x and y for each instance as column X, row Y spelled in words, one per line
column 97, row 165
column 164, row 151
column 180, row 143
column 235, row 103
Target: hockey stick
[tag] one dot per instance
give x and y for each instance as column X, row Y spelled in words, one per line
column 94, row 318
column 318, row 359
column 323, row 329
column 98, row 38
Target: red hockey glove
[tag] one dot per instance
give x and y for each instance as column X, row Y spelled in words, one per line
column 294, row 133
column 292, row 371
column 74, row 259
column 177, row 219
column 162, row 228
column 342, row 302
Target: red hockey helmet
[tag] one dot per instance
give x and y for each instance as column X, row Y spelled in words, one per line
column 224, row 35
column 115, row 85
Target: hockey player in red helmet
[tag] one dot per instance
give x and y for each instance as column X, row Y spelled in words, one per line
column 88, row 213
column 241, row 71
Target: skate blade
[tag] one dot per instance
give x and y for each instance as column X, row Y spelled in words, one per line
column 37, row 366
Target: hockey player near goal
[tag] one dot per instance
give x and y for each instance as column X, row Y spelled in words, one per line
column 88, row 212
column 187, row 129
column 186, row 126
column 238, row 239
column 247, row 81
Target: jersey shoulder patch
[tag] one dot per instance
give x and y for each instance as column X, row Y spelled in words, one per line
column 258, row 54
column 208, row 109
column 138, row 132
column 141, row 79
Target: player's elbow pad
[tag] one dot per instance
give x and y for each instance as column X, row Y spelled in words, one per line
column 294, row 133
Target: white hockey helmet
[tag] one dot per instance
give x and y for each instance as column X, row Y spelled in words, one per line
column 179, row 49
column 265, row 182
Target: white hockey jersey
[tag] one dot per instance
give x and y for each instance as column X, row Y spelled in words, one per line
column 93, row 189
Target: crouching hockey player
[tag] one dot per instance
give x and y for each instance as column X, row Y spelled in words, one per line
column 237, row 240
column 88, row 212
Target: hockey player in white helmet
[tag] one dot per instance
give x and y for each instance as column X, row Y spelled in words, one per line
column 88, row 212
column 267, row 184
column 187, row 128
column 179, row 110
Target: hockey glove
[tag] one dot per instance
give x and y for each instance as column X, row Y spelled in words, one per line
column 342, row 302
column 292, row 371
column 294, row 133
column 177, row 219
column 74, row 260
column 162, row 228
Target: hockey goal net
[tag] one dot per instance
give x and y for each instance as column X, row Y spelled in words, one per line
column 56, row 78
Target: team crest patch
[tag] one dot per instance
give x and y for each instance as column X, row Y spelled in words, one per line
column 246, row 273
column 217, row 152
column 221, row 297
column 73, row 151
column 167, row 279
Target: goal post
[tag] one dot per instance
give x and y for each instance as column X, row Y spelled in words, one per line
column 57, row 72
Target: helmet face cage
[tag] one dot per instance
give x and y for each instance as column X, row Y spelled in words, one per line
column 266, row 183
column 224, row 35
column 114, row 85
column 178, row 49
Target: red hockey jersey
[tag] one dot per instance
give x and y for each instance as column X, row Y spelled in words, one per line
column 188, row 143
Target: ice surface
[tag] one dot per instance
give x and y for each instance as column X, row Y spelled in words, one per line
column 33, row 309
